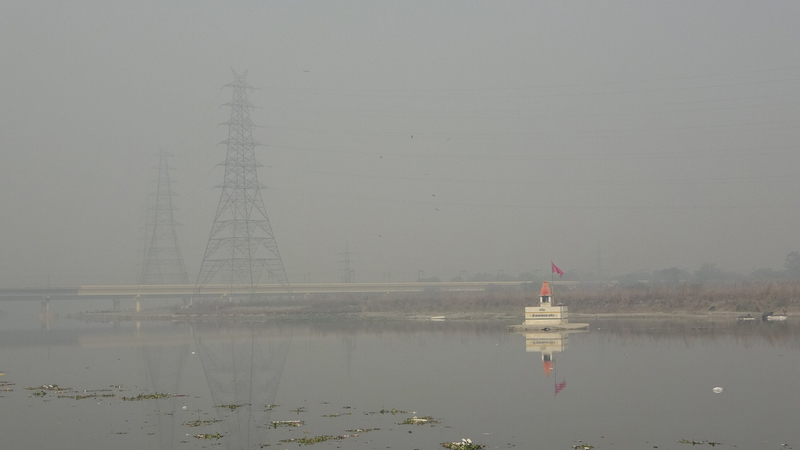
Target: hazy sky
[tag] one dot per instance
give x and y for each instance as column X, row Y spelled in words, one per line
column 662, row 133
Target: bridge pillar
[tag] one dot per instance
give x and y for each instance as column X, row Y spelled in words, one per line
column 46, row 307
column 45, row 317
column 115, row 303
column 138, row 304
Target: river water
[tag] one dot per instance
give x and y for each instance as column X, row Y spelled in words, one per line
column 624, row 384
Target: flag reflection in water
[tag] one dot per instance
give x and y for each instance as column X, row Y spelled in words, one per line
column 549, row 343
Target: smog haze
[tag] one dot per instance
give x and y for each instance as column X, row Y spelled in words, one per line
column 434, row 136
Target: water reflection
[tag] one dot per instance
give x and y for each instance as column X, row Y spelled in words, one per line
column 243, row 367
column 698, row 330
column 468, row 374
column 163, row 367
column 549, row 344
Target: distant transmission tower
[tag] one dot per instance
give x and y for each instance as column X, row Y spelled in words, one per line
column 162, row 263
column 348, row 274
column 241, row 245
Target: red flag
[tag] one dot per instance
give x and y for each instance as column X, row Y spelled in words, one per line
column 561, row 386
column 557, row 270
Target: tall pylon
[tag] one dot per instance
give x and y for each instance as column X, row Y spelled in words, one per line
column 348, row 274
column 162, row 261
column 241, row 245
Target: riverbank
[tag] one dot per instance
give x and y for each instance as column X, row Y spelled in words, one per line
column 651, row 302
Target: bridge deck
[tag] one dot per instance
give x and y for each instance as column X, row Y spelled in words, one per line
column 187, row 290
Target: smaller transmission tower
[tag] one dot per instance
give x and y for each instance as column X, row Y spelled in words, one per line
column 348, row 274
column 162, row 262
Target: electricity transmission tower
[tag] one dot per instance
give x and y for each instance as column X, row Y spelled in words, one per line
column 162, row 262
column 348, row 274
column 241, row 245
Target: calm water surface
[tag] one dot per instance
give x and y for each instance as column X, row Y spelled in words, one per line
column 621, row 385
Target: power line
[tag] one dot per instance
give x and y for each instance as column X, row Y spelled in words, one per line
column 571, row 85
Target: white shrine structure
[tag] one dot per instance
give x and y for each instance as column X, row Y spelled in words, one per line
column 547, row 316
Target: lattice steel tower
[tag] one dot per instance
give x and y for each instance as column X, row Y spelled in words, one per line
column 162, row 261
column 241, row 245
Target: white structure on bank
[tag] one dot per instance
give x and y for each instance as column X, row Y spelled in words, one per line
column 546, row 313
column 546, row 316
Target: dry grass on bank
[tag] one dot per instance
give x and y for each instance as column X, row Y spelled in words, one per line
column 741, row 297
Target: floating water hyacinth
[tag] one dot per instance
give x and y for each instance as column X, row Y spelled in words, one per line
column 48, row 387
column 465, row 444
column 286, row 423
column 232, row 407
column 155, row 396
column 208, row 436
column 418, row 420
column 197, row 423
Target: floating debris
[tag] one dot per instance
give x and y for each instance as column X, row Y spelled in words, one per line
column 418, row 421
column 362, row 430
column 583, row 447
column 299, row 410
column 156, row 396
column 49, row 387
column 287, row 423
column 717, row 390
column 271, row 407
column 317, row 439
column 233, row 407
column 465, row 444
column 687, row 441
column 387, row 411
column 197, row 423
column 208, row 436
column 337, row 414
column 39, row 394
column 83, row 397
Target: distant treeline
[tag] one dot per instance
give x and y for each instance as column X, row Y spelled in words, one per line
column 706, row 273
column 744, row 296
column 651, row 297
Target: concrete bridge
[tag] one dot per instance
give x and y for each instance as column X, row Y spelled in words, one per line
column 222, row 291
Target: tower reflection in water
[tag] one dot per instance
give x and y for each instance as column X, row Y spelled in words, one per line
column 242, row 365
column 549, row 343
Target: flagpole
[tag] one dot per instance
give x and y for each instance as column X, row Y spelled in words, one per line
column 555, row 375
column 552, row 280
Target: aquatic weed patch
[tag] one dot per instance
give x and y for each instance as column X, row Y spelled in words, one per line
column 387, row 411
column 233, row 407
column 81, row 397
column 465, row 444
column 424, row 420
column 208, row 436
column 287, row 423
column 198, row 423
column 48, row 387
column 317, row 439
column 693, row 442
column 155, row 396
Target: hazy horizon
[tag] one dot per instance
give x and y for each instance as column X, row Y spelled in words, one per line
column 439, row 135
